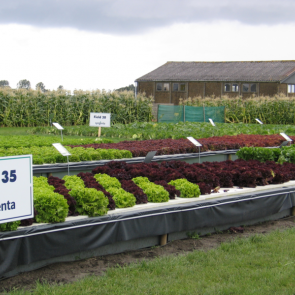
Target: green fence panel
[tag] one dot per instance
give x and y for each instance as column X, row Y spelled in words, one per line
column 174, row 114
column 170, row 113
column 194, row 114
column 217, row 114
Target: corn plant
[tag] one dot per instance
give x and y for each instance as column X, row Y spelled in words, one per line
column 278, row 109
column 27, row 108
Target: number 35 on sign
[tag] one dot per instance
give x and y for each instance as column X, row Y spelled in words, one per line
column 16, row 186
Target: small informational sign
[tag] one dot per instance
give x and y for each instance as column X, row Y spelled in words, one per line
column 195, row 142
column 62, row 150
column 149, row 156
column 16, row 188
column 57, row 126
column 286, row 137
column 259, row 121
column 100, row 120
column 284, row 143
column 211, row 121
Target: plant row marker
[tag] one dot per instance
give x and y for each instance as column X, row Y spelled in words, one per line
column 64, row 152
column 196, row 143
column 259, row 121
column 59, row 127
column 100, row 120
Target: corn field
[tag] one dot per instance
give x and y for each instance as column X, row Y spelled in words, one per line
column 278, row 109
column 27, row 108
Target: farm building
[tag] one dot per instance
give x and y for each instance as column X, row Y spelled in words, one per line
column 175, row 80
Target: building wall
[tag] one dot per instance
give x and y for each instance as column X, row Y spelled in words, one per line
column 268, row 89
column 282, row 88
column 195, row 89
column 147, row 87
column 213, row 88
column 162, row 97
column 175, row 96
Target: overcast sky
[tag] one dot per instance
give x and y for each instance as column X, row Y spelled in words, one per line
column 93, row 44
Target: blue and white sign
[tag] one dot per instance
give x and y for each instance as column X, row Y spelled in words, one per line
column 100, row 120
column 16, row 188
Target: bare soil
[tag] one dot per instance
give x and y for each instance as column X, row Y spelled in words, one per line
column 68, row 272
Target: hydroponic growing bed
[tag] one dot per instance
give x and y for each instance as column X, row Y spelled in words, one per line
column 145, row 224
column 142, row 226
column 213, row 149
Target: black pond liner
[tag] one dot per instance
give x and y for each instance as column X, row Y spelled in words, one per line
column 36, row 246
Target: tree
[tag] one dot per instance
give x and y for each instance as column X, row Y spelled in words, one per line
column 25, row 84
column 128, row 88
column 60, row 87
column 40, row 86
column 4, row 83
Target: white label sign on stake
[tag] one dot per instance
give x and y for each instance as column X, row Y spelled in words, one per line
column 16, row 186
column 63, row 151
column 100, row 120
column 286, row 137
column 259, row 121
column 56, row 125
column 195, row 142
column 211, row 121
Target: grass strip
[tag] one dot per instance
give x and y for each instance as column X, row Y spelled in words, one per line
column 260, row 264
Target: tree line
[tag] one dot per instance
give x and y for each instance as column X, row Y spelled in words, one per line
column 26, row 84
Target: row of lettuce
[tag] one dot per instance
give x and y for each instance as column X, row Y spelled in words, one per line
column 49, row 155
column 153, row 130
column 279, row 155
column 183, row 146
column 122, row 185
column 83, row 151
column 27, row 141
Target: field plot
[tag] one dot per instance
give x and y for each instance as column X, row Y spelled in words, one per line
column 152, row 130
column 136, row 204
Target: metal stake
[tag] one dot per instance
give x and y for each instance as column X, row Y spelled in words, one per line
column 68, row 165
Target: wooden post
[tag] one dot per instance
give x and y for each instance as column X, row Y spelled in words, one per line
column 293, row 211
column 163, row 240
column 99, row 131
column 229, row 157
column 224, row 114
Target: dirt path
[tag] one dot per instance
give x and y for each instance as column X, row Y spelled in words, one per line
column 72, row 271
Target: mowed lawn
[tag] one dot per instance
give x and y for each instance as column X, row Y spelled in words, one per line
column 260, row 264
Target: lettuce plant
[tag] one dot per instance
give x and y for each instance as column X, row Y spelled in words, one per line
column 186, row 188
column 107, row 181
column 73, row 181
column 112, row 185
column 9, row 226
column 122, row 198
column 155, row 193
column 51, row 207
column 90, row 201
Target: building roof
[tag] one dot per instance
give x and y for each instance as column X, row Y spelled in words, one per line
column 260, row 71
